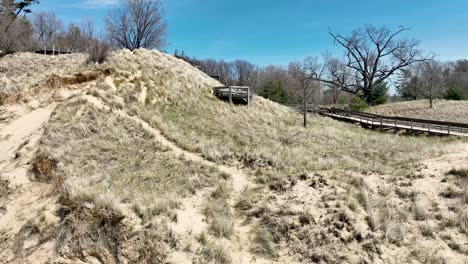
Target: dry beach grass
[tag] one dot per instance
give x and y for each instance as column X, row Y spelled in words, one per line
column 443, row 110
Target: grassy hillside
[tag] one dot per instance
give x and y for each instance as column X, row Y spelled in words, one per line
column 454, row 111
column 151, row 167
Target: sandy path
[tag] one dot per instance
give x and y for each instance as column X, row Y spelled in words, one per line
column 20, row 129
column 27, row 201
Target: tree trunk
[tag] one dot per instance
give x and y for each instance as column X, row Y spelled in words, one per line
column 305, row 116
column 367, row 91
column 305, row 107
column 430, row 98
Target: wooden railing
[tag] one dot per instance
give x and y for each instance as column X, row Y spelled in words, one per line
column 402, row 123
column 234, row 93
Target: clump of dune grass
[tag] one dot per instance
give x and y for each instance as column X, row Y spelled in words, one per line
column 273, row 228
column 428, row 254
column 460, row 172
column 465, row 193
column 426, row 230
column 218, row 211
column 463, row 219
column 212, row 253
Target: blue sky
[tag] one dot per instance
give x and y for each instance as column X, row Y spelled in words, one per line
column 277, row 32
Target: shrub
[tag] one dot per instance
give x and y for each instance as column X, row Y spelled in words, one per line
column 341, row 100
column 98, row 51
column 358, row 104
column 455, row 94
column 274, row 90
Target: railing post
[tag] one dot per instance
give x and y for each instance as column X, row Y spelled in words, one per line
column 448, row 129
column 381, row 124
column 248, row 97
column 230, row 94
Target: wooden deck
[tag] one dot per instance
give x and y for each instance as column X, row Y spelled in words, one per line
column 234, row 94
column 410, row 125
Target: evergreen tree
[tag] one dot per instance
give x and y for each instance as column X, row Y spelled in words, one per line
column 379, row 94
column 454, row 93
column 274, row 91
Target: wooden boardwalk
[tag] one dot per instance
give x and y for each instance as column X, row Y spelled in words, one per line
column 410, row 125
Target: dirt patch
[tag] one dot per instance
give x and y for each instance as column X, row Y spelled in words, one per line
column 82, row 77
column 43, row 168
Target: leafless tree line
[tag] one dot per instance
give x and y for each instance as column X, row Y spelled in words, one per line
column 135, row 24
column 434, row 80
column 50, row 33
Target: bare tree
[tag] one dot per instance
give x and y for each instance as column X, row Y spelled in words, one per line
column 433, row 81
column 17, row 38
column 372, row 56
column 88, row 30
column 138, row 24
column 12, row 9
column 409, row 84
column 72, row 39
column 98, row 49
column 306, row 74
column 245, row 72
column 15, row 29
column 225, row 72
column 46, row 28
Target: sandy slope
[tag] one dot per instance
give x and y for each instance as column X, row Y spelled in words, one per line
column 27, row 200
column 27, row 207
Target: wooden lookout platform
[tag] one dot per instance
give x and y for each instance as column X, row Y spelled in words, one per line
column 234, row 94
column 410, row 125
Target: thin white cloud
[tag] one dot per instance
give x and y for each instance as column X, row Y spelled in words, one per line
column 100, row 3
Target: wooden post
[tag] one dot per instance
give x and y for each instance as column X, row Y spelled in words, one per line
column 411, row 126
column 448, row 129
column 248, row 97
column 53, row 49
column 230, row 94
column 381, row 124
